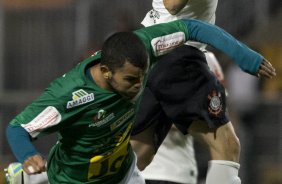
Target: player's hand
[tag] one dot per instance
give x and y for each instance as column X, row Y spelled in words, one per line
column 34, row 164
column 266, row 70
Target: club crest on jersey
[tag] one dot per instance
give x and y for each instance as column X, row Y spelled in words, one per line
column 101, row 118
column 80, row 97
column 163, row 44
column 215, row 103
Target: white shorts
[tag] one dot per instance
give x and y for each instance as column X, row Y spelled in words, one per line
column 134, row 175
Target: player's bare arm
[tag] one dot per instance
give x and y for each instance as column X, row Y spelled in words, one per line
column 143, row 147
column 266, row 70
column 174, row 6
column 34, row 164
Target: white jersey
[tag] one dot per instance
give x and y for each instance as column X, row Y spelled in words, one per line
column 196, row 9
column 174, row 161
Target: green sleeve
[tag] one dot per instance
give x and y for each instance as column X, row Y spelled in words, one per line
column 162, row 38
column 42, row 116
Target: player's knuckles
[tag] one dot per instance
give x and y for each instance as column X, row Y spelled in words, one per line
column 41, row 167
column 263, row 73
column 27, row 170
column 263, row 67
column 27, row 163
column 36, row 165
column 37, row 157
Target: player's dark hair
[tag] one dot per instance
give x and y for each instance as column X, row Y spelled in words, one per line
column 121, row 47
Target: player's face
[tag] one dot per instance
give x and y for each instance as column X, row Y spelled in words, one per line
column 127, row 80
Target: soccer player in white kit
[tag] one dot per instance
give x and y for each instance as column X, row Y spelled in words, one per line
column 178, row 164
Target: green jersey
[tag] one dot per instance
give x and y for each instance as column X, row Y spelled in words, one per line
column 94, row 124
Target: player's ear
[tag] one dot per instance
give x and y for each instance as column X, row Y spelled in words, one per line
column 107, row 74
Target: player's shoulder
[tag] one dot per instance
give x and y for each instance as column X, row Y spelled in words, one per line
column 76, row 77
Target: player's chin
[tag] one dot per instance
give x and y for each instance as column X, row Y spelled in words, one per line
column 130, row 95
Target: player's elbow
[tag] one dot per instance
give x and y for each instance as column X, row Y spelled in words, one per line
column 143, row 163
column 174, row 7
column 143, row 152
column 173, row 10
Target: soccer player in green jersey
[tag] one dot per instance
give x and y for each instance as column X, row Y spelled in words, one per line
column 92, row 107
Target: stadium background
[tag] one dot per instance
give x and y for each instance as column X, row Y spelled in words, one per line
column 40, row 40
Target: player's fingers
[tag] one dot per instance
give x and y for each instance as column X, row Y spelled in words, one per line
column 267, row 71
column 39, row 163
column 34, row 164
column 31, row 169
column 263, row 73
column 269, row 67
column 265, row 61
column 28, row 167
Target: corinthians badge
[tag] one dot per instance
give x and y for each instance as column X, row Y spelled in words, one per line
column 215, row 103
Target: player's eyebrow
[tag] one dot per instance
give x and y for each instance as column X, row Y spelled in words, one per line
column 131, row 78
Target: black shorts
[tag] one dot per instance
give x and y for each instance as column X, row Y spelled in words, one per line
column 181, row 88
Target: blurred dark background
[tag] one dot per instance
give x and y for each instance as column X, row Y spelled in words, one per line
column 40, row 40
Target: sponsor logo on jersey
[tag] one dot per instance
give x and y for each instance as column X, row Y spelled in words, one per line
column 50, row 116
column 110, row 163
column 153, row 14
column 80, row 97
column 101, row 118
column 164, row 44
column 215, row 103
column 122, row 119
